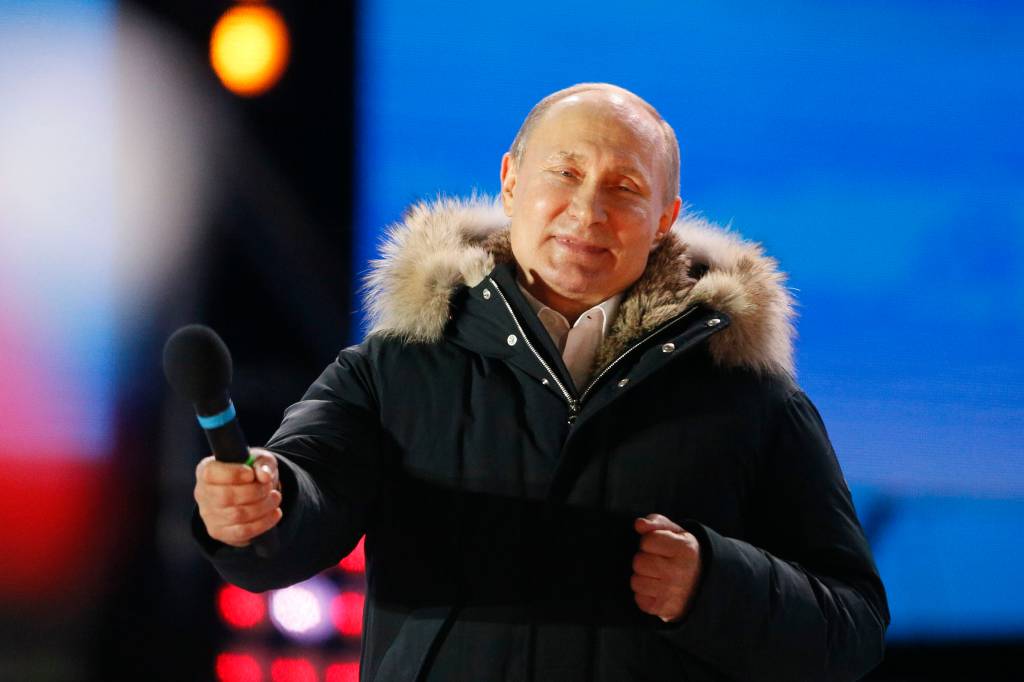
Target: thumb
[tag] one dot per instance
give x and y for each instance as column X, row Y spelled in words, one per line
column 651, row 522
column 264, row 466
column 264, row 474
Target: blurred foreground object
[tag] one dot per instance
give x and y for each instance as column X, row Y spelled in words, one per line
column 99, row 196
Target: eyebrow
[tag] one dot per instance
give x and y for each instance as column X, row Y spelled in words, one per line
column 567, row 156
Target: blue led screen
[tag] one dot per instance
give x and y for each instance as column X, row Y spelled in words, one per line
column 874, row 148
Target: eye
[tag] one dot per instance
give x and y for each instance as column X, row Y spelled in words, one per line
column 626, row 187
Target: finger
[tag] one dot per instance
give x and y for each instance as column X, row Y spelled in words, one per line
column 646, row 524
column 203, row 463
column 647, row 603
column 240, row 514
column 242, row 534
column 653, row 566
column 220, row 496
column 224, row 473
column 663, row 543
column 646, row 586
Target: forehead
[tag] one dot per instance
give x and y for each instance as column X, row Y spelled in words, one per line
column 607, row 126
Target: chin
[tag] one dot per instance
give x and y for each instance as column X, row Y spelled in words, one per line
column 578, row 286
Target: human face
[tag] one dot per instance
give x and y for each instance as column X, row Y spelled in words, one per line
column 587, row 200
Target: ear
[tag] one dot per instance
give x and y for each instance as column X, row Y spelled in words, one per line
column 667, row 220
column 508, row 182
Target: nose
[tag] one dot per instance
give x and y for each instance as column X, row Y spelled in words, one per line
column 586, row 206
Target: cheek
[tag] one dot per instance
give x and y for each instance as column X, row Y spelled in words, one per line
column 545, row 199
column 533, row 226
column 635, row 245
column 635, row 227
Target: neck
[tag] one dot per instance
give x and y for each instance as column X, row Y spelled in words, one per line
column 570, row 308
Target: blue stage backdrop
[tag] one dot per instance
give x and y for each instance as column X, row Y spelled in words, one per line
column 875, row 148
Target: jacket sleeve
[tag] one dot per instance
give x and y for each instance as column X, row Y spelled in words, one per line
column 330, row 472
column 802, row 600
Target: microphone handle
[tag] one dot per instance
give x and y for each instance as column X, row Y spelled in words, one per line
column 227, row 442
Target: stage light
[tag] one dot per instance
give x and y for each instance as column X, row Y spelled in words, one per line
column 240, row 608
column 249, row 49
column 301, row 611
column 292, row 670
column 355, row 562
column 347, row 613
column 342, row 672
column 238, row 668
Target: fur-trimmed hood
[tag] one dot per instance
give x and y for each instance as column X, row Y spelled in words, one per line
column 443, row 244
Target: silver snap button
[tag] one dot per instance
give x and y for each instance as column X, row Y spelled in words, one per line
column 511, row 340
column 487, row 294
column 668, row 348
column 543, row 382
column 623, row 382
column 714, row 322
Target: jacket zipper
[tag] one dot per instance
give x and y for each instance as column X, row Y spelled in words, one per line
column 575, row 403
column 574, row 406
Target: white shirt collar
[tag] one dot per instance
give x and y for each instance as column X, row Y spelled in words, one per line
column 558, row 326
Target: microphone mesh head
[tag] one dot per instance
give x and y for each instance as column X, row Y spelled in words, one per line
column 197, row 363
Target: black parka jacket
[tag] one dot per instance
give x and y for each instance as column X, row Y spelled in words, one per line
column 498, row 500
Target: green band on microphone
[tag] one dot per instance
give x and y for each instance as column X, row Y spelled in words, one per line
column 218, row 420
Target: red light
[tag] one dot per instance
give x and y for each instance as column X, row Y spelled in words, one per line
column 355, row 562
column 292, row 670
column 343, row 672
column 238, row 668
column 49, row 503
column 239, row 608
column 347, row 613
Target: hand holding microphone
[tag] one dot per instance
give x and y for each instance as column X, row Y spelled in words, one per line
column 237, row 502
column 237, row 489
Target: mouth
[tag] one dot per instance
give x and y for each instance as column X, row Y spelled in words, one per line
column 579, row 246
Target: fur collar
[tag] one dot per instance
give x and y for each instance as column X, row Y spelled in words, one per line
column 441, row 245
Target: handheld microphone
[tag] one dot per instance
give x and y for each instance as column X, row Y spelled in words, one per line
column 197, row 364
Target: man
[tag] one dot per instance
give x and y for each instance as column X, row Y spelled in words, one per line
column 572, row 439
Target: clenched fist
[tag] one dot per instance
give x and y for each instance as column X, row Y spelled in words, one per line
column 237, row 502
column 666, row 569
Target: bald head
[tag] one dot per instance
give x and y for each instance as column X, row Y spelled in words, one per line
column 631, row 105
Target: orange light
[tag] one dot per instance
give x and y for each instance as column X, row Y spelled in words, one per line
column 249, row 49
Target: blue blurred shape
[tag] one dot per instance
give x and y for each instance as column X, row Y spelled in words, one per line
column 952, row 567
